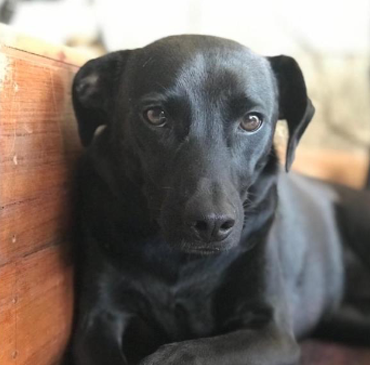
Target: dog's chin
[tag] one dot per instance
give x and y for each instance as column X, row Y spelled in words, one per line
column 196, row 247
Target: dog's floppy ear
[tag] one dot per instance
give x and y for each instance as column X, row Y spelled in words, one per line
column 294, row 104
column 93, row 91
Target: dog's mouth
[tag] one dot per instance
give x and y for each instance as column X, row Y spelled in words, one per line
column 205, row 248
column 204, row 251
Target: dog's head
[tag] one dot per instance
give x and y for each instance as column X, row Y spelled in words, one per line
column 196, row 115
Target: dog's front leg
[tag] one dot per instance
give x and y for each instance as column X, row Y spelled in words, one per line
column 268, row 346
column 98, row 339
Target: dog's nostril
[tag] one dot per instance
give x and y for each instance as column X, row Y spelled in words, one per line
column 213, row 228
column 227, row 225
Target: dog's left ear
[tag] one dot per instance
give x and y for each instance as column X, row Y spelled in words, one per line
column 294, row 104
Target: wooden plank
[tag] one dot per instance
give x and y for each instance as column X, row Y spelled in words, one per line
column 11, row 38
column 344, row 167
column 36, row 307
column 36, row 119
column 339, row 166
column 39, row 147
column 49, row 224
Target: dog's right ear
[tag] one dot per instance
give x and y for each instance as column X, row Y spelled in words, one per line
column 93, row 91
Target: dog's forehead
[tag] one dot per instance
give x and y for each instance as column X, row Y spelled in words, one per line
column 239, row 72
column 194, row 63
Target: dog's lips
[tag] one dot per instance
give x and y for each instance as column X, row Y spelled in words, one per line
column 203, row 250
column 209, row 249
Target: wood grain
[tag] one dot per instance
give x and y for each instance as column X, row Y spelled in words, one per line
column 39, row 147
column 35, row 307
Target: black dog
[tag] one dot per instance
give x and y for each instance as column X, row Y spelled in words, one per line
column 195, row 248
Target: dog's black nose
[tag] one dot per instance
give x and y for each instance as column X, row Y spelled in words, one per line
column 213, row 227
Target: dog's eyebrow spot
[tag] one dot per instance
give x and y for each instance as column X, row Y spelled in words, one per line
column 243, row 103
column 152, row 99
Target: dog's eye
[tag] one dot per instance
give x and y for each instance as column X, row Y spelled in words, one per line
column 251, row 122
column 156, row 116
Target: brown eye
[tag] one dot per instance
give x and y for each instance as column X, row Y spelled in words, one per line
column 156, row 116
column 251, row 122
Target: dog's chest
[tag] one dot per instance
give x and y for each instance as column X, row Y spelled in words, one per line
column 189, row 315
column 183, row 309
column 181, row 306
column 166, row 312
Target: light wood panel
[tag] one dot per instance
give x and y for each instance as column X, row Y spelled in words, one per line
column 39, row 147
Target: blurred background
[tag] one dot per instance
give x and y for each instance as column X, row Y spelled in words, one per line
column 330, row 40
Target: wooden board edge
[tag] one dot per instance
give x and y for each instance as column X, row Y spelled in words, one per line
column 12, row 38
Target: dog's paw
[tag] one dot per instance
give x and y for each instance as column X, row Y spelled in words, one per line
column 180, row 353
